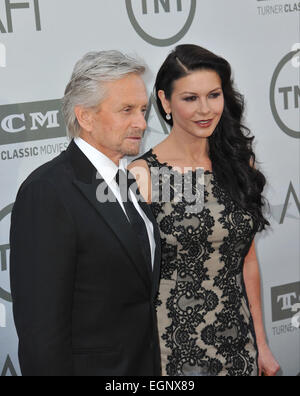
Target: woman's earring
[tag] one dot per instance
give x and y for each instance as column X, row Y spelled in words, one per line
column 168, row 117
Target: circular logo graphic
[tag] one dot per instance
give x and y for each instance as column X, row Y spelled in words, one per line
column 285, row 95
column 5, row 295
column 148, row 15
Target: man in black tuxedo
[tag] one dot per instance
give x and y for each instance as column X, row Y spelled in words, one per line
column 84, row 261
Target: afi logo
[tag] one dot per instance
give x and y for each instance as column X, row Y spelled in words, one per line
column 8, row 368
column 2, row 55
column 291, row 192
column 162, row 124
column 4, row 262
column 10, row 7
column 165, row 4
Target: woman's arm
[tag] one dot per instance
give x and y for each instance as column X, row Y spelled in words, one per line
column 267, row 363
column 141, row 172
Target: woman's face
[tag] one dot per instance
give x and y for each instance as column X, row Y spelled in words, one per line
column 196, row 104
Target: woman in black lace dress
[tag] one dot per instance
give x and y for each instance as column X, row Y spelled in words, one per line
column 209, row 304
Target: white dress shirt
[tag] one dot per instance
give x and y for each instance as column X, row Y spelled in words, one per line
column 108, row 171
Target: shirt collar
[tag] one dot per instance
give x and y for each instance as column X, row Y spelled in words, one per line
column 104, row 165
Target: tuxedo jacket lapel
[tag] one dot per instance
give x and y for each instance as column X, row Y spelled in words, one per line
column 111, row 212
column 157, row 260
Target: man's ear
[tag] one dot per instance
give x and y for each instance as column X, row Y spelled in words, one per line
column 164, row 101
column 84, row 117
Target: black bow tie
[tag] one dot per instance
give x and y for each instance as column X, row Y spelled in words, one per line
column 125, row 180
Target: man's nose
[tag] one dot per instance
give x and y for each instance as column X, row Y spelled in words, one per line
column 140, row 122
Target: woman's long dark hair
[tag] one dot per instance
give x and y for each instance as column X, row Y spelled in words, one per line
column 230, row 146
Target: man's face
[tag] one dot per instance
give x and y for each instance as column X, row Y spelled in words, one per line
column 118, row 124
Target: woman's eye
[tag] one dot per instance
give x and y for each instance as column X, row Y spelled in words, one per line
column 190, row 98
column 215, row 95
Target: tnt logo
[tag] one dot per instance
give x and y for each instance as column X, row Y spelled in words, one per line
column 161, row 22
column 49, row 120
column 160, row 4
column 2, row 55
column 285, row 93
column 291, row 96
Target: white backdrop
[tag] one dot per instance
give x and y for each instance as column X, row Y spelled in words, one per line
column 40, row 41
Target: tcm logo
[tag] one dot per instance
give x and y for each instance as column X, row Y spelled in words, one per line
column 31, row 121
column 286, row 303
column 2, row 55
column 37, row 120
column 161, row 22
column 285, row 93
column 11, row 9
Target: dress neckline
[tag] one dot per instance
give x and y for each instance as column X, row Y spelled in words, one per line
column 165, row 164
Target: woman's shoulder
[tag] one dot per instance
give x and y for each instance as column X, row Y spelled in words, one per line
column 140, row 168
column 142, row 161
column 145, row 157
column 147, row 160
column 137, row 164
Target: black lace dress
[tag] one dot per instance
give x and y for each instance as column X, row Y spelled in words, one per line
column 205, row 324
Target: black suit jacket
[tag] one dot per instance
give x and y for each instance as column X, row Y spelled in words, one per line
column 83, row 295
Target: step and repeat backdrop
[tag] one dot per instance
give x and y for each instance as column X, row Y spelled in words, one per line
column 40, row 41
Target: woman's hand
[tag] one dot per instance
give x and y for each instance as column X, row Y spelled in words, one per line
column 268, row 366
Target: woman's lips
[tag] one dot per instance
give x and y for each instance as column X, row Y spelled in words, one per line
column 204, row 124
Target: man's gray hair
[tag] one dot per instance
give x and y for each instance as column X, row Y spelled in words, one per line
column 85, row 87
